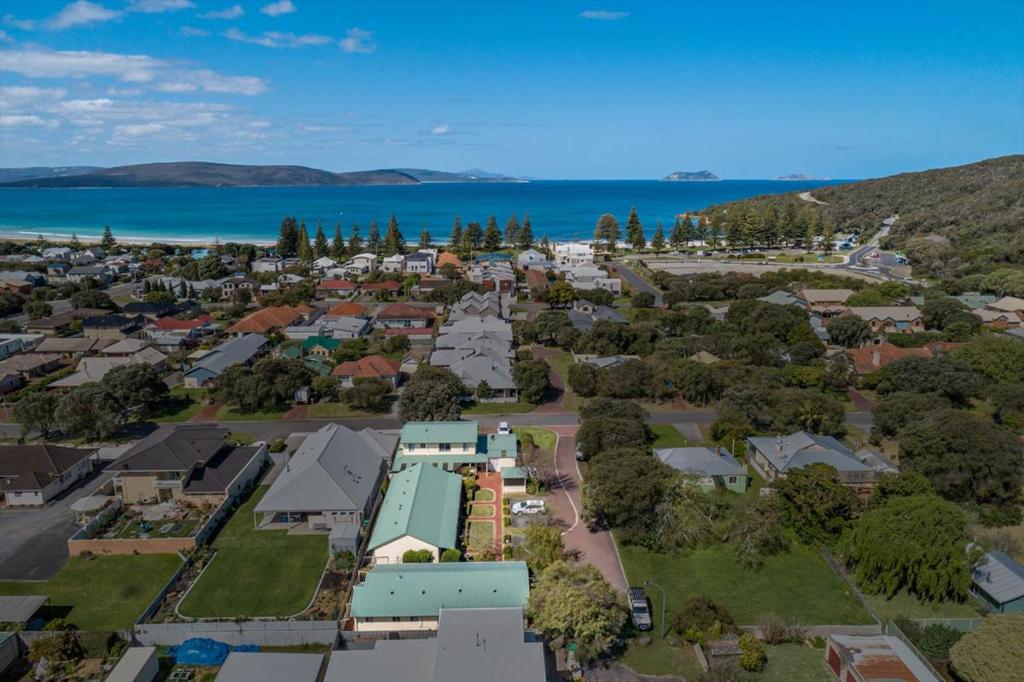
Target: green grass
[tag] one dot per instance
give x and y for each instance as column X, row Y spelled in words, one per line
column 796, row 663
column 230, row 413
column 797, row 584
column 498, row 408
column 175, row 409
column 482, row 510
column 104, row 593
column 661, row 658
column 560, row 362
column 483, row 495
column 545, row 439
column 481, row 535
column 335, row 410
column 257, row 573
column 667, row 436
column 907, row 605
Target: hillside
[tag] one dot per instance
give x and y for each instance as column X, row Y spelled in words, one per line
column 425, row 175
column 690, row 176
column 201, row 174
column 952, row 221
column 15, row 174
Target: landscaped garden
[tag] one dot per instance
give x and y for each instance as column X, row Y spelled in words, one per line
column 257, row 572
column 481, row 536
column 102, row 593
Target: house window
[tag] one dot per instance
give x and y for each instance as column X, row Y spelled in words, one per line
column 444, row 447
column 732, row 479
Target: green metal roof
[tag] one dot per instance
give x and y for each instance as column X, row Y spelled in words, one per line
column 424, row 589
column 422, row 502
column 327, row 342
column 439, row 432
column 451, row 461
column 497, row 445
column 513, row 472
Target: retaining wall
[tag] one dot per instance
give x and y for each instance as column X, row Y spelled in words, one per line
column 263, row 633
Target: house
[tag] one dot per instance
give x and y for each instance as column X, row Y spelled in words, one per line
column 331, row 480
column 419, row 511
column 347, row 309
column 997, row 319
column 193, row 328
column 154, row 311
column 125, row 347
column 537, row 281
column 411, row 596
column 473, row 304
column 480, row 370
column 266, row 320
column 584, row 314
column 30, row 365
column 60, row 323
column 588, row 278
column 498, row 276
column 322, row 346
column 974, row 300
column 335, row 288
column 781, row 298
column 371, row 367
column 705, row 358
column 494, row 326
column 1009, row 304
column 23, row 278
column 72, row 346
column 448, row 258
column 775, row 456
column 91, row 369
column 241, row 350
column 111, row 326
column 389, row 288
column 58, row 269
column 268, row 264
column 713, row 467
column 16, row 343
column 403, row 316
column 452, row 445
column 875, row 356
column 57, row 253
column 334, row 327
column 574, row 254
column 360, row 264
column 419, row 263
column 889, row 319
column 997, row 581
column 875, row 658
column 825, row 302
column 324, row 263
column 533, row 258
column 32, row 475
column 270, row 666
column 101, row 273
column 603, row 361
column 393, row 264
column 455, row 655
column 191, row 463
column 229, row 286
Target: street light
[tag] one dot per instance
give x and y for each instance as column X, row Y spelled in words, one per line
column 664, row 599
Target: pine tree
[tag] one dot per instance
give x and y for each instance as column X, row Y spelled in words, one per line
column 714, row 234
column 658, row 240
column 305, row 249
column 545, row 245
column 791, row 228
column 75, row 244
column 492, row 236
column 191, row 292
column 373, row 238
column 474, row 235
column 635, row 231
column 394, row 242
column 338, row 245
column 770, row 227
column 525, row 238
column 512, row 230
column 828, row 243
column 288, row 238
column 183, row 289
column 425, row 240
column 700, row 231
column 320, row 243
column 355, row 240
column 466, row 247
column 678, row 237
column 455, row 238
column 108, row 240
column 608, row 230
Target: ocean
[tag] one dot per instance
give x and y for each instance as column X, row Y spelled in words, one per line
column 564, row 210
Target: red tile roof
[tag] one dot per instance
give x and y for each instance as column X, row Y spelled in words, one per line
column 348, row 309
column 870, row 358
column 336, row 285
column 389, row 285
column 404, row 311
column 448, row 257
column 174, row 324
column 262, row 321
column 372, row 366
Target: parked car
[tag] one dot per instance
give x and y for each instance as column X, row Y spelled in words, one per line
column 579, row 456
column 639, row 608
column 503, row 428
column 528, row 507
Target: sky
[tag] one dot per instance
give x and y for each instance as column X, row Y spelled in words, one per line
column 539, row 89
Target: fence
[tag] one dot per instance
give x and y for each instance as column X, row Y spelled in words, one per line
column 262, row 632
column 893, row 630
column 961, row 624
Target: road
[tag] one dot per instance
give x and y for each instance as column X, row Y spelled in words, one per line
column 638, row 283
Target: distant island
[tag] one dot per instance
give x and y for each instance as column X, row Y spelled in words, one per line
column 202, row 174
column 690, row 176
column 798, row 176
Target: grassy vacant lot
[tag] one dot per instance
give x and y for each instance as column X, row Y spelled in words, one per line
column 498, row 408
column 230, row 413
column 909, row 606
column 105, row 593
column 797, row 584
column 335, row 410
column 667, row 436
column 257, row 573
column 179, row 406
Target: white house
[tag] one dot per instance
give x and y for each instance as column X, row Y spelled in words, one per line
column 267, row 264
column 395, row 263
column 31, row 475
column 324, row 263
column 359, row 264
column 574, row 254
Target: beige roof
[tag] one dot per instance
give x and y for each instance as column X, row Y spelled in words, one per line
column 1010, row 304
column 818, row 296
column 94, row 369
column 705, row 358
column 896, row 313
column 127, row 347
column 994, row 315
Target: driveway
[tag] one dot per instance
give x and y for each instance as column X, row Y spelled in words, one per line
column 638, row 283
column 33, row 542
column 590, row 547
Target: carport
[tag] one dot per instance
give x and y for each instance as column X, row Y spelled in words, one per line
column 20, row 609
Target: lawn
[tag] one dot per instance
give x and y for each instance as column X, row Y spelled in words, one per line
column 104, row 593
column 481, row 535
column 560, row 362
column 661, row 658
column 336, row 410
column 482, row 510
column 796, row 663
column 797, row 584
column 257, row 573
column 909, row 606
column 545, row 439
column 230, row 413
column 483, row 495
column 667, row 436
column 498, row 408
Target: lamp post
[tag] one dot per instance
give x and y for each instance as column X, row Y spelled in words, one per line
column 664, row 599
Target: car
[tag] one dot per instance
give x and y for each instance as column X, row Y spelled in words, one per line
column 876, row 254
column 528, row 507
column 579, row 456
column 639, row 609
column 503, row 428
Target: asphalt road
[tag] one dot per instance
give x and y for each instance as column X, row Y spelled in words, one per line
column 638, row 283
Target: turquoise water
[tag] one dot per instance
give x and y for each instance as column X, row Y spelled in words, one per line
column 562, row 209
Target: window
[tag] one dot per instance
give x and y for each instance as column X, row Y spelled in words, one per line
column 732, row 479
column 444, row 447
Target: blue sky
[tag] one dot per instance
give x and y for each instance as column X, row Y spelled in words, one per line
column 554, row 90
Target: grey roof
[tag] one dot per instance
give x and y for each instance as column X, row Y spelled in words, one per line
column 801, row 449
column 1000, row 577
column 476, row 340
column 346, row 323
column 216, row 475
column 477, row 369
column 446, row 357
column 781, row 298
column 477, row 304
column 335, row 469
column 233, row 352
column 472, row 645
column 89, row 270
column 585, row 320
column 701, row 461
column 602, row 361
column 251, row 666
column 19, row 609
column 126, row 347
column 173, row 448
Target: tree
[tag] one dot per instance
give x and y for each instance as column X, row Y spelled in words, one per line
column 355, row 241
column 338, row 245
column 642, row 299
column 455, row 237
column 996, row 356
column 658, row 240
column 575, row 603
column 911, row 543
column 623, row 487
column 850, row 331
column 305, row 249
column 608, row 229
column 38, row 309
column 544, row 546
column 394, row 242
column 425, row 240
column 368, row 393
column 755, row 530
column 373, row 238
column 484, row 391
column 896, row 410
column 560, row 294
column 473, row 237
column 134, row 385
column 635, row 231
column 991, row 653
column 808, row 409
column 700, row 619
column 816, row 504
column 524, row 238
column 417, row 556
column 268, row 385
column 697, row 383
column 321, row 247
column 432, row 394
column 288, row 238
column 512, row 230
column 532, row 380
column 92, row 298
column 753, row 657
column 583, row 379
column 679, row 237
column 947, row 376
column 87, row 411
column 108, row 241
column 492, row 236
column 968, row 459
column 36, row 412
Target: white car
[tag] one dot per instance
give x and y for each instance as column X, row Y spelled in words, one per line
column 528, row 507
column 503, row 429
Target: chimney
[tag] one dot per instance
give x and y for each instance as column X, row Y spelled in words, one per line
column 876, row 358
column 778, row 444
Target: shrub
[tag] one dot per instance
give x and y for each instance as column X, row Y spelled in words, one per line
column 754, row 658
column 417, row 556
column 277, row 446
column 451, row 555
column 700, row 619
column 774, row 630
column 470, row 485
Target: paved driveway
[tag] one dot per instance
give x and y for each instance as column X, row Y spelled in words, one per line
column 33, row 542
column 637, row 282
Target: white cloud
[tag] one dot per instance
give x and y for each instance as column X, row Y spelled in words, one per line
column 276, row 8
column 441, row 129
column 16, row 97
column 6, row 37
column 86, row 105
column 232, row 12
column 23, row 24
column 177, row 86
column 603, row 15
column 138, row 129
column 191, row 32
column 276, row 38
column 158, row 6
column 358, row 40
column 212, row 81
column 81, row 13
column 27, row 120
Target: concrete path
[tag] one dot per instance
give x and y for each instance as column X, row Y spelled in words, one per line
column 806, row 196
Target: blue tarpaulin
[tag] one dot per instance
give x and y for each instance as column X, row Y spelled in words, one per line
column 201, row 651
